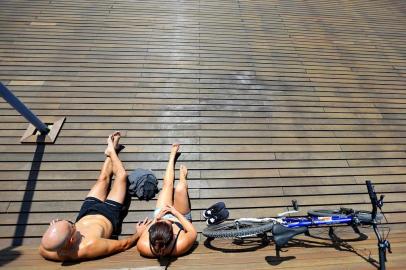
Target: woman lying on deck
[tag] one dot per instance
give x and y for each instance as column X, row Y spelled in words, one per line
column 171, row 232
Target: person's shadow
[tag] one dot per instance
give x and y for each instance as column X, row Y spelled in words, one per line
column 166, row 261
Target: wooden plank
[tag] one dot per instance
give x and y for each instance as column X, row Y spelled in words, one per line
column 55, row 205
column 128, row 228
column 59, row 184
column 192, row 165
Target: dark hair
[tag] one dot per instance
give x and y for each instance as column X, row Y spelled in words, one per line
column 160, row 237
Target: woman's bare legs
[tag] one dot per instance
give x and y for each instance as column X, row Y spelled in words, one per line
column 119, row 188
column 100, row 188
column 166, row 195
column 181, row 197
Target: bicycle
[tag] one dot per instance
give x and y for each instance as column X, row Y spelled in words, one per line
column 284, row 228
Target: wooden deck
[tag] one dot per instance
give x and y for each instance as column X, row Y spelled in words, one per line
column 304, row 253
column 271, row 101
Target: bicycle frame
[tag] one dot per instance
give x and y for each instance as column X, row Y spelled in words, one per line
column 316, row 221
column 296, row 222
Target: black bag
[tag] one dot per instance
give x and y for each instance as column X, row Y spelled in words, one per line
column 142, row 184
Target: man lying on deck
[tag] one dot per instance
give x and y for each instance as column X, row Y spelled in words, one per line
column 100, row 217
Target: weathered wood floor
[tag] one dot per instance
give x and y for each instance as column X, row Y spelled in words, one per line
column 271, row 101
column 306, row 253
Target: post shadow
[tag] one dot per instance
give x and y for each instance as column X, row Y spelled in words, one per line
column 7, row 254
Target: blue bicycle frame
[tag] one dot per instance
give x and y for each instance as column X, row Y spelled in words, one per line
column 316, row 221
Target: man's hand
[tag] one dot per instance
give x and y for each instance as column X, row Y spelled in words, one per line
column 54, row 221
column 142, row 226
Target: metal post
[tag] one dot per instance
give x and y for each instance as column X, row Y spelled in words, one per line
column 22, row 109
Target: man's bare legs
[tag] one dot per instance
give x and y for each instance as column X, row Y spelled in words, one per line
column 181, row 197
column 119, row 188
column 100, row 189
column 166, row 195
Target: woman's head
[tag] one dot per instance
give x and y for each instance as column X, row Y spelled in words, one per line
column 160, row 237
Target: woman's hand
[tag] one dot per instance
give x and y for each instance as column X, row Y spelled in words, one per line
column 161, row 213
column 167, row 209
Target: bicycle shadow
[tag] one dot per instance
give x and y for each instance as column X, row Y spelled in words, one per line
column 336, row 243
column 245, row 245
column 276, row 260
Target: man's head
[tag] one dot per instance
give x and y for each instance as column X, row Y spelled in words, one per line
column 59, row 235
column 160, row 237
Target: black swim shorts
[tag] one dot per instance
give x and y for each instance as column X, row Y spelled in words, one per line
column 115, row 212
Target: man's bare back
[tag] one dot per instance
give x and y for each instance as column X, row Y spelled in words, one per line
column 99, row 218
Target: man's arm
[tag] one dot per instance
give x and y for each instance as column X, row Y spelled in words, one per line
column 95, row 248
column 104, row 247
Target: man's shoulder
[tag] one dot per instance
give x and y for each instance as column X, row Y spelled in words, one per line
column 88, row 246
column 97, row 247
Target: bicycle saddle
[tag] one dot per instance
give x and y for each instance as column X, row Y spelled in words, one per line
column 282, row 234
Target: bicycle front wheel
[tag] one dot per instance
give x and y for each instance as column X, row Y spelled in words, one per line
column 235, row 229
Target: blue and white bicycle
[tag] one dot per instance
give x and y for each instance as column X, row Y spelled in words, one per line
column 284, row 228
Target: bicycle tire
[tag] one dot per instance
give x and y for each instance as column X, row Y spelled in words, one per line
column 363, row 216
column 229, row 230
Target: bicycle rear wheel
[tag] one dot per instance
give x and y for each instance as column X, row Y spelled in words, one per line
column 231, row 230
column 363, row 216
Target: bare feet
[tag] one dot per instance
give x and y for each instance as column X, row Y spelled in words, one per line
column 182, row 173
column 116, row 138
column 112, row 143
column 174, row 151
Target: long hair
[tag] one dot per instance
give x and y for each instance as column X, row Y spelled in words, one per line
column 160, row 237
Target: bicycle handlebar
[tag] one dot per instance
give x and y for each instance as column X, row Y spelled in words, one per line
column 382, row 244
column 373, row 197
